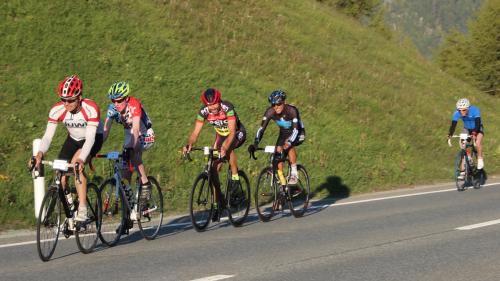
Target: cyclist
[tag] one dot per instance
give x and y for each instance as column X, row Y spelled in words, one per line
column 139, row 134
column 473, row 125
column 82, row 119
column 291, row 134
column 230, row 133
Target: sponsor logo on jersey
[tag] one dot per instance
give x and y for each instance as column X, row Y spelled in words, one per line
column 75, row 123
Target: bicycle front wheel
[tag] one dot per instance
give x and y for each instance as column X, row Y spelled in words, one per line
column 460, row 181
column 265, row 195
column 238, row 200
column 87, row 233
column 48, row 224
column 113, row 212
column 150, row 211
column 298, row 194
column 201, row 203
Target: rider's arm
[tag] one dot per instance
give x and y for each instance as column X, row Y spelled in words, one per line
column 263, row 125
column 107, row 129
column 198, row 125
column 452, row 128
column 136, row 126
column 90, row 133
column 295, row 125
column 231, row 124
column 47, row 137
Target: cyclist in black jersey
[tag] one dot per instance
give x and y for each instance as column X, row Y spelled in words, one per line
column 292, row 131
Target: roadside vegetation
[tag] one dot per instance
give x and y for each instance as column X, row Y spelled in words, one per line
column 376, row 112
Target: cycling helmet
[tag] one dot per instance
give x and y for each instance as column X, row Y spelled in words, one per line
column 118, row 90
column 463, row 104
column 70, row 87
column 277, row 96
column 210, row 96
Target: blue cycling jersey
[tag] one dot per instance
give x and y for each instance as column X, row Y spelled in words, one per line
column 469, row 119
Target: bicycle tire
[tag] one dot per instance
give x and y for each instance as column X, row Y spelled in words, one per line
column 113, row 212
column 238, row 200
column 48, row 224
column 298, row 195
column 460, row 184
column 150, row 216
column 201, row 203
column 87, row 233
column 265, row 195
column 476, row 174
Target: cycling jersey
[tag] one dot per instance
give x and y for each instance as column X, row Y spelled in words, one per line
column 472, row 121
column 289, row 122
column 133, row 109
column 220, row 119
column 82, row 125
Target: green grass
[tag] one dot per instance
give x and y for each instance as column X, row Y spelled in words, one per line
column 376, row 112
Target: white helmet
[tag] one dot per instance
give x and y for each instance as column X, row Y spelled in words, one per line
column 463, row 104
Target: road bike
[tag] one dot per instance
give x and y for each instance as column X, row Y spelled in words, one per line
column 120, row 209
column 466, row 172
column 272, row 193
column 58, row 210
column 202, row 199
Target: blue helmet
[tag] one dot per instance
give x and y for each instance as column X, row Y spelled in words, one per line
column 277, row 96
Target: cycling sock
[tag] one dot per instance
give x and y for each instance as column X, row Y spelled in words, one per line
column 235, row 177
column 294, row 169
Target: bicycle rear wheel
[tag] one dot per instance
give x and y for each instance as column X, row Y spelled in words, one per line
column 298, row 194
column 48, row 224
column 87, row 233
column 113, row 212
column 201, row 203
column 265, row 195
column 238, row 200
column 460, row 183
column 150, row 214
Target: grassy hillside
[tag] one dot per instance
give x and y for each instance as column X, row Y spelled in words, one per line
column 376, row 113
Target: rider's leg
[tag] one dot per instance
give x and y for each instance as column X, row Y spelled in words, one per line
column 479, row 148
column 81, row 188
column 137, row 162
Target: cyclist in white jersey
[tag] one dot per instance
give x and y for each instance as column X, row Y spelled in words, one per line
column 85, row 133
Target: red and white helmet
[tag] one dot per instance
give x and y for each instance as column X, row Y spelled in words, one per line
column 70, row 87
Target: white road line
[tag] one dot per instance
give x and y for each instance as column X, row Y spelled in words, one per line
column 478, row 225
column 214, row 278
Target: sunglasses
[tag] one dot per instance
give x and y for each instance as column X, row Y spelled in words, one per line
column 118, row 100
column 68, row 100
column 278, row 104
column 462, row 110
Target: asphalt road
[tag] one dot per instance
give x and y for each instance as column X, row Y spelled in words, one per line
column 423, row 233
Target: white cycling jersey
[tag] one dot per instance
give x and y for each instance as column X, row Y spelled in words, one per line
column 82, row 125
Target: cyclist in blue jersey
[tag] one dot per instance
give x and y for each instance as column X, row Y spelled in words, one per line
column 291, row 134
column 473, row 125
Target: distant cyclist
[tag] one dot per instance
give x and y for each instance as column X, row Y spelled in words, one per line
column 291, row 134
column 139, row 134
column 230, row 132
column 473, row 125
column 82, row 119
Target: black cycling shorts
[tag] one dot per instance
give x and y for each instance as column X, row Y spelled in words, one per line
column 239, row 139
column 284, row 135
column 71, row 146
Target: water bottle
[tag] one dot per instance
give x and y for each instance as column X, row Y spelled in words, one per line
column 69, row 199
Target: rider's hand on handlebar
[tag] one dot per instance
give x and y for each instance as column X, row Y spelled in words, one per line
column 252, row 148
column 186, row 149
column 81, row 165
